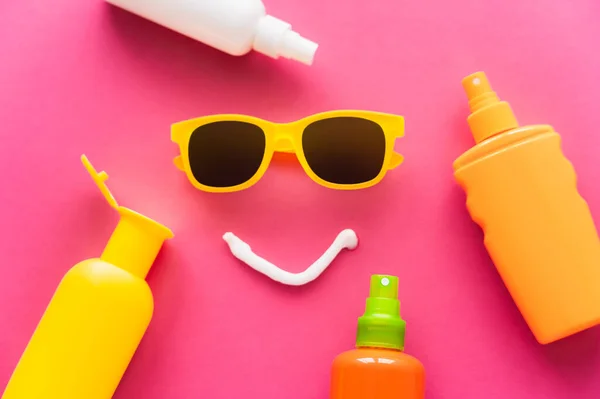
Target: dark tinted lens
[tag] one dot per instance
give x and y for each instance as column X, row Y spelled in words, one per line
column 225, row 154
column 344, row 150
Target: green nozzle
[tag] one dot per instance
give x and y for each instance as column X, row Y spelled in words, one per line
column 381, row 326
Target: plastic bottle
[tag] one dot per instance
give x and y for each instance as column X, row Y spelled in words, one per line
column 378, row 368
column 538, row 230
column 233, row 26
column 96, row 318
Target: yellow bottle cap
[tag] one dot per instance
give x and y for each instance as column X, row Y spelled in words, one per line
column 137, row 239
column 489, row 116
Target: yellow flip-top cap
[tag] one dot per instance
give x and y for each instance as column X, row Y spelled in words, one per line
column 136, row 240
column 489, row 116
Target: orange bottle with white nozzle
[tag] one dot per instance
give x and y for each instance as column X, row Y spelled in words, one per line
column 522, row 191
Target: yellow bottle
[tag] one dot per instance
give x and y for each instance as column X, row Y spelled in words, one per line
column 97, row 316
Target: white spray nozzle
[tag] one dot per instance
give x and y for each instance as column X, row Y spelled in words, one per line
column 347, row 239
column 275, row 38
column 298, row 48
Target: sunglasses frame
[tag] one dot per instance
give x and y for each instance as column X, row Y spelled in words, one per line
column 287, row 138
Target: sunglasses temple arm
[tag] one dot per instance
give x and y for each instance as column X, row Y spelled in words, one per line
column 395, row 160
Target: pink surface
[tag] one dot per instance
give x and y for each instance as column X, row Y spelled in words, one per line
column 82, row 77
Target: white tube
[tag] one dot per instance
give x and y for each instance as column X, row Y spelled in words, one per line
column 346, row 239
column 233, row 26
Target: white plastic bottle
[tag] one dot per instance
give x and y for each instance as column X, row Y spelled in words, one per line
column 233, row 26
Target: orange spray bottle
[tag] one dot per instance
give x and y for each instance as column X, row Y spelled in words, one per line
column 539, row 232
column 378, row 368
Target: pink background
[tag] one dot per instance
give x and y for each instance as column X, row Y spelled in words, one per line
column 83, row 77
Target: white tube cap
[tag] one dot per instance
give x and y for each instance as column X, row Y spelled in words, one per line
column 275, row 38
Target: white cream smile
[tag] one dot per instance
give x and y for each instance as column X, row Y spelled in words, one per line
column 347, row 239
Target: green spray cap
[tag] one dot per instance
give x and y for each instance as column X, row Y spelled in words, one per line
column 381, row 326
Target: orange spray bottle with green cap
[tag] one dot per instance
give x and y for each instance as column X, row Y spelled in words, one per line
column 378, row 368
column 539, row 231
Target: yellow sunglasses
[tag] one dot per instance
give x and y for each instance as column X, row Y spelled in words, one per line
column 345, row 150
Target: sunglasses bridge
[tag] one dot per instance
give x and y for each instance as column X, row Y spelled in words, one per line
column 284, row 142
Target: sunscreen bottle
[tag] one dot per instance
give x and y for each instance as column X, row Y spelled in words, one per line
column 539, row 232
column 378, row 368
column 233, row 26
column 96, row 318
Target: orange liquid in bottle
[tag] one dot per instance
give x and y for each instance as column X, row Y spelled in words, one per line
column 522, row 191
